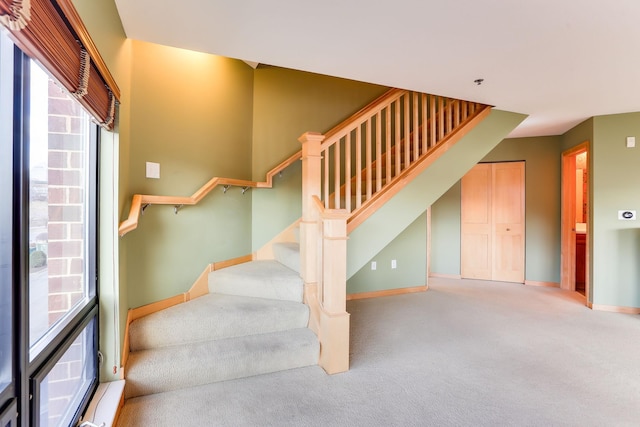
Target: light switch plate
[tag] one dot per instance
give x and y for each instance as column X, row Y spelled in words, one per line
column 627, row 215
column 631, row 141
column 153, row 170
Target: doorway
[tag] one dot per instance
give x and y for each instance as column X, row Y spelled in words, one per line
column 493, row 222
column 575, row 223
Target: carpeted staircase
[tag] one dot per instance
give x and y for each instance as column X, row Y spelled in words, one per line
column 252, row 322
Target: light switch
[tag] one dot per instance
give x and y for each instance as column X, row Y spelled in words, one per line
column 153, row 170
column 631, row 141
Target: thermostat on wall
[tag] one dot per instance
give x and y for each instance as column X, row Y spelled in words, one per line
column 627, row 215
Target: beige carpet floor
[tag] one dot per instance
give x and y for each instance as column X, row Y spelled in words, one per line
column 464, row 353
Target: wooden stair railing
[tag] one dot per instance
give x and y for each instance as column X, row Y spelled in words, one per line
column 363, row 161
column 401, row 132
column 140, row 201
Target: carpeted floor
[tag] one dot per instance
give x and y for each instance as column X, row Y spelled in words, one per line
column 464, row 353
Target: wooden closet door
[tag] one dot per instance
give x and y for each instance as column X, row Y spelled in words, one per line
column 492, row 222
column 476, row 221
column 508, row 222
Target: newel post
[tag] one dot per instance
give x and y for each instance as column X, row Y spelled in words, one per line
column 334, row 325
column 311, row 178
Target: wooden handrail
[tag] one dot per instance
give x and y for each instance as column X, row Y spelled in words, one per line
column 370, row 109
column 140, row 200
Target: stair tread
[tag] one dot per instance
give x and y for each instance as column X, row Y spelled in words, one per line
column 171, row 368
column 215, row 316
column 262, row 279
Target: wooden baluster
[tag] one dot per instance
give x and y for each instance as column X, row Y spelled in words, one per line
column 447, row 119
column 441, row 115
column 465, row 110
column 397, row 136
column 432, row 121
column 347, row 173
column 416, row 127
column 456, row 114
column 379, row 151
column 423, row 127
column 325, row 184
column 358, row 166
column 368, row 151
column 336, row 174
column 407, row 131
column 387, row 151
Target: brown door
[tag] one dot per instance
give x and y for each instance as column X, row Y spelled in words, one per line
column 493, row 222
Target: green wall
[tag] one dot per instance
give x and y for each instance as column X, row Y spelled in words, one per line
column 409, row 250
column 288, row 103
column 615, row 186
column 445, row 233
column 191, row 112
column 542, row 158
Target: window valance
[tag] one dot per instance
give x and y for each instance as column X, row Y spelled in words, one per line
column 52, row 33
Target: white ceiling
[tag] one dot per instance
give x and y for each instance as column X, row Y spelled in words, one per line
column 559, row 61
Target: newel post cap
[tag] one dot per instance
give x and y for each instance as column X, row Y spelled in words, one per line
column 311, row 137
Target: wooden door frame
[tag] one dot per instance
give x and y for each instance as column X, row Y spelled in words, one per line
column 568, row 220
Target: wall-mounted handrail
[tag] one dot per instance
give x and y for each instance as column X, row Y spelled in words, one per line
column 139, row 201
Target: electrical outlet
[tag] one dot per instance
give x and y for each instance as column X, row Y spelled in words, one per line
column 374, row 265
column 394, row 264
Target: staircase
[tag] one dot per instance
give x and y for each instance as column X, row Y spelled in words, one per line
column 249, row 319
column 251, row 322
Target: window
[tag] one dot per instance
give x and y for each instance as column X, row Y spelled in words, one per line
column 66, row 382
column 59, row 149
column 48, row 243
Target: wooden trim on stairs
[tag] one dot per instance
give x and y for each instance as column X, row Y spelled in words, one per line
column 199, row 288
column 145, row 310
column 140, row 200
column 387, row 293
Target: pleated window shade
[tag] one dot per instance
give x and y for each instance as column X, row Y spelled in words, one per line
column 52, row 33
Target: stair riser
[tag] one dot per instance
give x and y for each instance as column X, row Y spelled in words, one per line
column 288, row 254
column 213, row 317
column 260, row 279
column 162, row 370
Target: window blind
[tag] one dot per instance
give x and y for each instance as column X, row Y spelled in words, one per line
column 52, row 33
